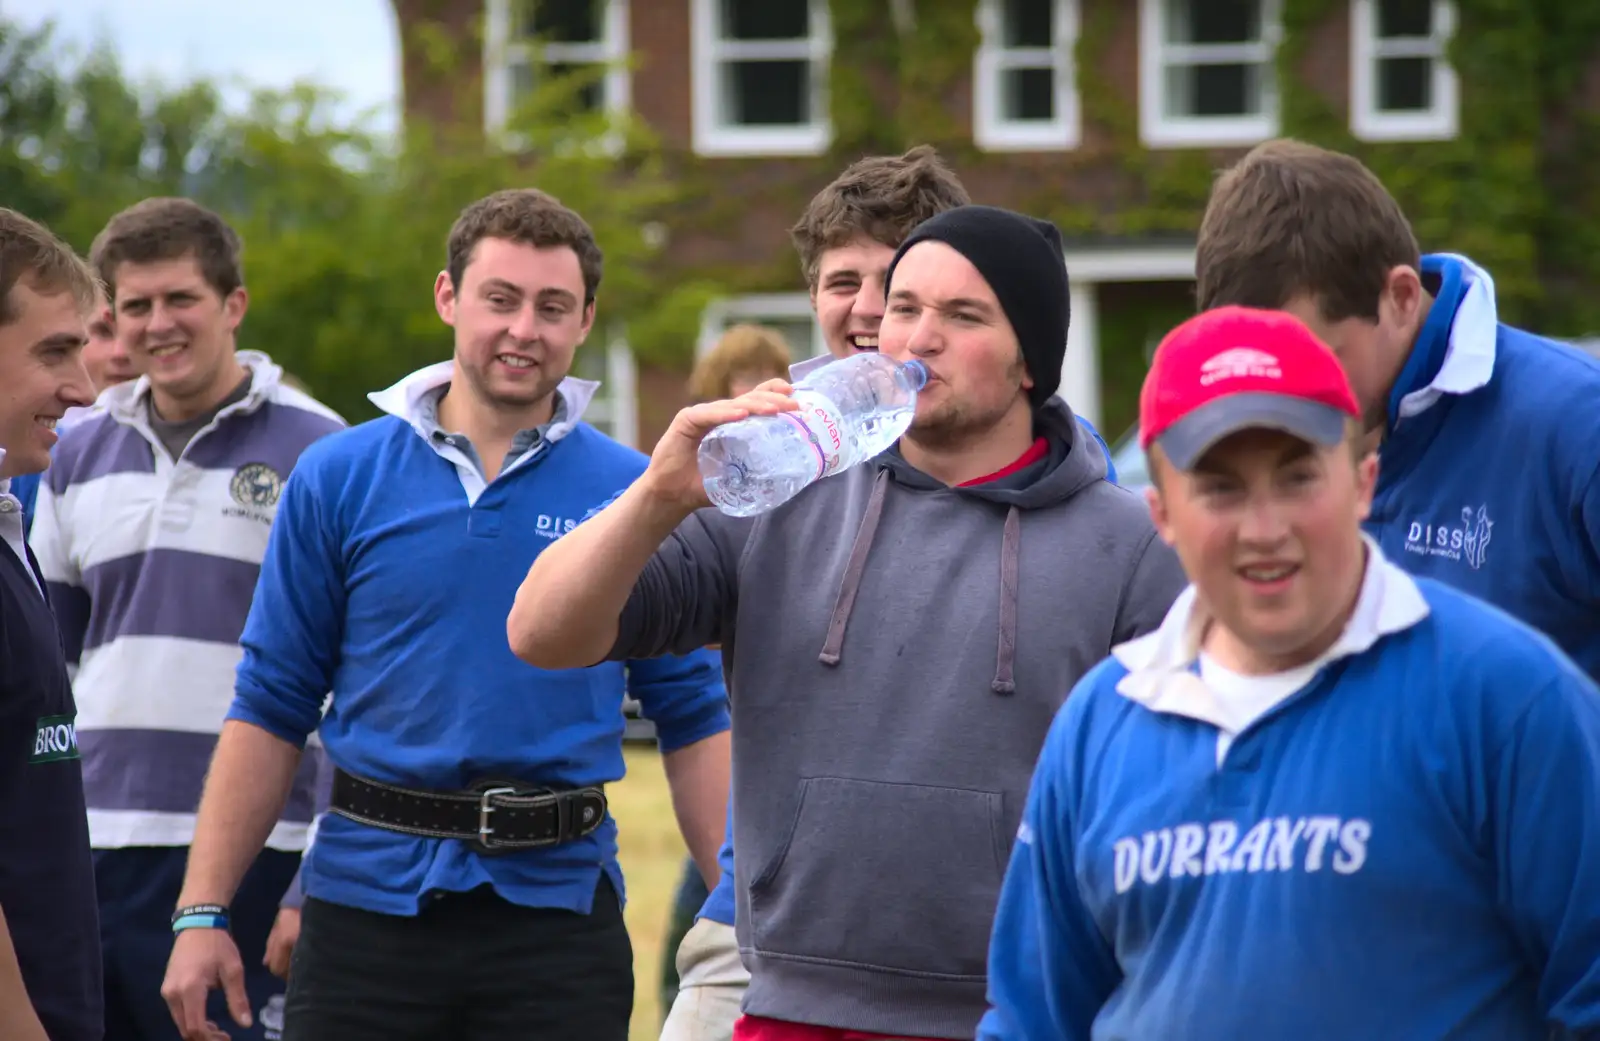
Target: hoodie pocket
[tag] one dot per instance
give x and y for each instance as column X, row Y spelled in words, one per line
column 900, row 877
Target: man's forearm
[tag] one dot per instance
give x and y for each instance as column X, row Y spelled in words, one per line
column 17, row 1017
column 566, row 611
column 249, row 781
column 698, row 775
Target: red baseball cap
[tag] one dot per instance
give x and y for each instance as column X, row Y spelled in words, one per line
column 1240, row 368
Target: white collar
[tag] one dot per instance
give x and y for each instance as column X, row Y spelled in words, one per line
column 1161, row 676
column 125, row 401
column 404, row 398
column 1470, row 349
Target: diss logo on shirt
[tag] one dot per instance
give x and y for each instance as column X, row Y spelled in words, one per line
column 55, row 739
column 1308, row 844
column 1467, row 541
column 551, row 527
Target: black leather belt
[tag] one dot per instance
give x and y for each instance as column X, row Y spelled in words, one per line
column 493, row 816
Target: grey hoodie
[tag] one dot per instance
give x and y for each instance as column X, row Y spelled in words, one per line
column 896, row 651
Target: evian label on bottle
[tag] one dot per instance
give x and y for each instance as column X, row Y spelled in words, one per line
column 821, row 427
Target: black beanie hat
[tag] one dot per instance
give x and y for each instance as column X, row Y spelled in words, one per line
column 1023, row 261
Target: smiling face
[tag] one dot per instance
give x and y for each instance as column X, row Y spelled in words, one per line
column 849, row 293
column 943, row 312
column 1267, row 527
column 178, row 329
column 41, row 375
column 105, row 356
column 519, row 316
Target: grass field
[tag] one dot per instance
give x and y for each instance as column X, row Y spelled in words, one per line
column 652, row 855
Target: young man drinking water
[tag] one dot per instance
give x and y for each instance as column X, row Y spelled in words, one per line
column 846, row 240
column 900, row 636
column 1325, row 800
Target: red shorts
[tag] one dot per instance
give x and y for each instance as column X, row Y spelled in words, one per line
column 755, row 1028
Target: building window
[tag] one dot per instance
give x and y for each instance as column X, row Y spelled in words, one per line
column 1206, row 72
column 1024, row 94
column 786, row 313
column 528, row 43
column 1402, row 87
column 614, row 408
column 760, row 72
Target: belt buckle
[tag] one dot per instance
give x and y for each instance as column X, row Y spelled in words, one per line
column 485, row 808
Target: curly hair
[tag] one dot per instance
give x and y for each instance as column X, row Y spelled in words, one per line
column 882, row 197
column 748, row 351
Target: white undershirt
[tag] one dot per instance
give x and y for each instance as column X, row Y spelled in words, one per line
column 1243, row 699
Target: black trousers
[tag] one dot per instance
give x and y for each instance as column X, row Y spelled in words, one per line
column 470, row 967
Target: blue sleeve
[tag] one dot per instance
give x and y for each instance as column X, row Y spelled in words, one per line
column 296, row 623
column 1050, row 969
column 719, row 903
column 1546, row 830
column 26, row 489
column 1111, row 466
column 682, row 695
column 1589, row 531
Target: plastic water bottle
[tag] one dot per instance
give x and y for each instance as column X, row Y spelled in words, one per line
column 850, row 410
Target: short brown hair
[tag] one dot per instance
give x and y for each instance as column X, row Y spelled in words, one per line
column 166, row 228
column 744, row 350
column 532, row 218
column 1291, row 219
column 31, row 254
column 882, row 197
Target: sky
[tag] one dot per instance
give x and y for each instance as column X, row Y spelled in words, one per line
column 350, row 46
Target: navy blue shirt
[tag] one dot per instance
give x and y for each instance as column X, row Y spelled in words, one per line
column 46, row 874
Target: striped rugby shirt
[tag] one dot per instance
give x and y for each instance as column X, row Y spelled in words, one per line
column 151, row 565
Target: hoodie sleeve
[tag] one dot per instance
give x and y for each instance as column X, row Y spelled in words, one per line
column 1546, row 831
column 1050, row 968
column 688, row 591
column 1156, row 581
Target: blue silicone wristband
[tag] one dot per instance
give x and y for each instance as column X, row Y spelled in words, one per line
column 200, row 921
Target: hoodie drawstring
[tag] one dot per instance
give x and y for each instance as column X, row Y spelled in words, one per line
column 1010, row 559
column 851, row 583
column 1010, row 555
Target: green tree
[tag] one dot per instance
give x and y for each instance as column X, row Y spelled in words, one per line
column 344, row 230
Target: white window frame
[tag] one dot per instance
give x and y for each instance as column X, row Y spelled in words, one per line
column 1159, row 128
column 713, row 137
column 757, row 308
column 501, row 51
column 616, row 403
column 1367, row 121
column 991, row 131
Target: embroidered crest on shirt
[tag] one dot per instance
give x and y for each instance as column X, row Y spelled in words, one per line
column 1467, row 541
column 256, row 485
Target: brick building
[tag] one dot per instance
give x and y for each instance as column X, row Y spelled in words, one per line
column 741, row 89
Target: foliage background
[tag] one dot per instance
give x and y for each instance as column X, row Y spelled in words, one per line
column 344, row 232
